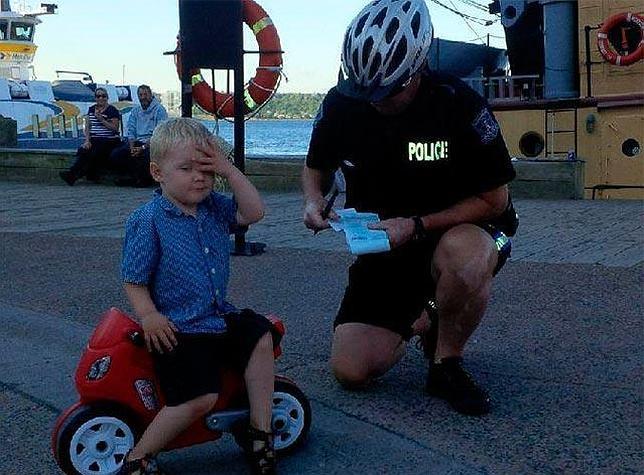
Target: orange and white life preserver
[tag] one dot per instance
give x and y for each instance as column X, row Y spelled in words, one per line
column 607, row 50
column 258, row 89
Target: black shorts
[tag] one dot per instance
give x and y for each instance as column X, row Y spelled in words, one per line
column 193, row 367
column 391, row 289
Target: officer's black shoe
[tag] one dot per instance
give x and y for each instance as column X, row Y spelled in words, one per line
column 68, row 177
column 450, row 381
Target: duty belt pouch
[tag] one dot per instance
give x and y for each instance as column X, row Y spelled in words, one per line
column 508, row 221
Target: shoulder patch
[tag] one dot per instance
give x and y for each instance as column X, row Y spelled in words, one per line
column 486, row 126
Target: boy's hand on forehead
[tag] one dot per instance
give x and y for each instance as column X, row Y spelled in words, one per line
column 212, row 160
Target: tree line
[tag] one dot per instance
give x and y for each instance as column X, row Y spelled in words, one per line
column 285, row 106
column 291, row 106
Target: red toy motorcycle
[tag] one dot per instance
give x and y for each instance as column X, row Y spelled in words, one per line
column 120, row 395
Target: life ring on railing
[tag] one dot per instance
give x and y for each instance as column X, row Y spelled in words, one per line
column 258, row 89
column 607, row 50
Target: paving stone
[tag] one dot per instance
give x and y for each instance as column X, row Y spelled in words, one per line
column 610, row 233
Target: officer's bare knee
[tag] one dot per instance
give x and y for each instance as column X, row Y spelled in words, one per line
column 350, row 375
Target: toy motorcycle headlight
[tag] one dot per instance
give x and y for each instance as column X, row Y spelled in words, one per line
column 99, row 368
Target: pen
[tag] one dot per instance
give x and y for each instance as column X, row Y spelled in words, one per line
column 329, row 205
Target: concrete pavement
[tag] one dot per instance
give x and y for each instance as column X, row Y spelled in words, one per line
column 553, row 231
column 559, row 350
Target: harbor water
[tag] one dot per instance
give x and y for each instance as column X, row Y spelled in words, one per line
column 283, row 138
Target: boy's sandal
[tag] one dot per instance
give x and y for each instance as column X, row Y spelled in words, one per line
column 145, row 466
column 262, row 459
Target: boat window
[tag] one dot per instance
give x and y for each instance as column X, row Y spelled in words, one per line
column 3, row 30
column 22, row 31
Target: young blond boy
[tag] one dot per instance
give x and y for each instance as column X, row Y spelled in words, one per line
column 175, row 271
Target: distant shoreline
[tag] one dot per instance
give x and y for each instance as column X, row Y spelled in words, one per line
column 271, row 119
column 258, row 119
column 289, row 106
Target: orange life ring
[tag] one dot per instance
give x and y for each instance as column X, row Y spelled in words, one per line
column 604, row 46
column 258, row 89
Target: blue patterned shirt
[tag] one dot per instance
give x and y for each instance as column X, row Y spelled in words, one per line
column 183, row 260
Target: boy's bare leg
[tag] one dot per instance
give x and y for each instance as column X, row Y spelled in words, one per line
column 259, row 376
column 169, row 423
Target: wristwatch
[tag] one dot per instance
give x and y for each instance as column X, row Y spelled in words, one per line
column 420, row 232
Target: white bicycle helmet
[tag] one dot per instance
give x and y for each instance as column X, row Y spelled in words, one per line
column 385, row 44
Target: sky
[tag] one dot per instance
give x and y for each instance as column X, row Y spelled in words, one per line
column 120, row 40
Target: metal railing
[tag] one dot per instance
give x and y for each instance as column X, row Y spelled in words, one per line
column 55, row 127
column 521, row 87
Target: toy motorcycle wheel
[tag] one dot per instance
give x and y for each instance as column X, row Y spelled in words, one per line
column 95, row 440
column 291, row 418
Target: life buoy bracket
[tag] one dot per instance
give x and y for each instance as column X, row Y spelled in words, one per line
column 605, row 47
column 259, row 89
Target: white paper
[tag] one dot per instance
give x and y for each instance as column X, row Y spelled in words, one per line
column 361, row 239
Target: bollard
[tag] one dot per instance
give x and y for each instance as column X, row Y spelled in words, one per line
column 49, row 127
column 74, row 126
column 62, row 130
column 35, row 126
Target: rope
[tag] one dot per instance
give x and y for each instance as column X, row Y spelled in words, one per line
column 265, row 89
column 480, row 21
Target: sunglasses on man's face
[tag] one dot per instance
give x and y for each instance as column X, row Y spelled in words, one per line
column 398, row 89
column 100, row 95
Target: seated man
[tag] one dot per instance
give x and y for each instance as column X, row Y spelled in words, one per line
column 133, row 157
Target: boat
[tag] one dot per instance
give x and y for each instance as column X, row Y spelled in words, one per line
column 45, row 109
column 575, row 89
column 570, row 90
column 567, row 90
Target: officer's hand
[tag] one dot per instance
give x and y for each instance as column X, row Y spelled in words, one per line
column 399, row 230
column 313, row 215
column 159, row 332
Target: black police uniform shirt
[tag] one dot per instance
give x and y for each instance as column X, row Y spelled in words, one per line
column 446, row 146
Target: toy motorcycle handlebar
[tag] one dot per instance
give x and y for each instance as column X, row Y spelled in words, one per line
column 137, row 338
